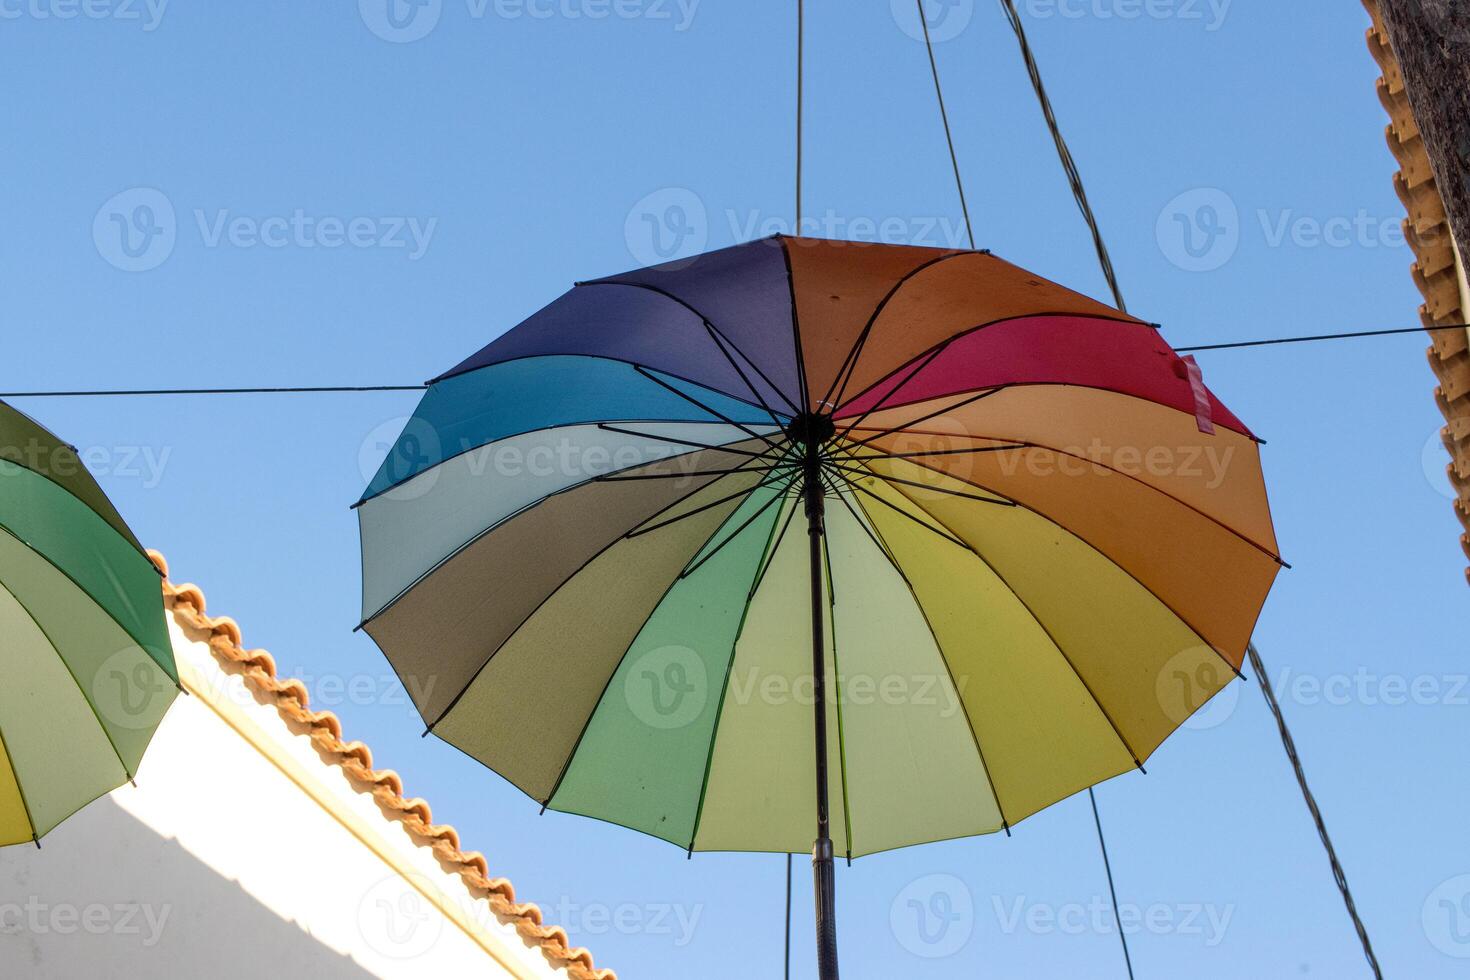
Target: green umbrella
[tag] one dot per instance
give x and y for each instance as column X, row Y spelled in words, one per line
column 84, row 650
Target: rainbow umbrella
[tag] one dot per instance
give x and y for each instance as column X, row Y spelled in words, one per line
column 1028, row 543
column 84, row 650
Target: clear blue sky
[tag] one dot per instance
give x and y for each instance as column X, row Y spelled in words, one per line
column 521, row 145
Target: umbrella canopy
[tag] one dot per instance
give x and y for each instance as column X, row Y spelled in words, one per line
column 84, row 650
column 1036, row 542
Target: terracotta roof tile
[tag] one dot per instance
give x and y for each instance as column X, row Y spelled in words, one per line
column 1434, row 270
column 292, row 700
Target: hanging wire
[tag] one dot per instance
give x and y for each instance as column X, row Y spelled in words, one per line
column 788, row 901
column 1266, row 690
column 1107, row 271
column 1074, row 177
column 944, row 117
column 1269, row 693
column 1107, row 264
column 1108, row 867
column 800, row 46
column 1323, row 336
column 331, row 389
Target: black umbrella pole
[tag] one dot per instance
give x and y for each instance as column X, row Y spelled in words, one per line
column 822, row 869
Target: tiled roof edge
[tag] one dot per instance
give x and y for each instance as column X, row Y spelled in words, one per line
column 291, row 700
column 1435, row 270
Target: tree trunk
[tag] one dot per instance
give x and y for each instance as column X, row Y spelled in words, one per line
column 1431, row 39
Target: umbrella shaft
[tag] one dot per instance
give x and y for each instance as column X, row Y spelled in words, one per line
column 822, row 869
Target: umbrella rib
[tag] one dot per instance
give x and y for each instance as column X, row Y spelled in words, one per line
column 81, row 588
column 849, row 363
column 640, row 529
column 587, row 723
column 615, row 478
column 714, row 731
column 718, row 338
column 460, row 453
column 1125, row 319
column 780, row 495
column 828, row 481
column 924, row 524
column 72, row 674
column 806, row 395
column 923, row 363
column 1110, row 560
column 992, row 388
column 945, row 452
column 547, row 598
column 695, row 401
column 1054, row 642
column 866, row 530
column 526, row 508
column 866, row 471
column 706, row 321
column 837, row 698
column 979, row 396
column 939, row 649
column 1062, row 452
column 771, row 552
column 19, row 789
column 43, row 434
column 685, row 442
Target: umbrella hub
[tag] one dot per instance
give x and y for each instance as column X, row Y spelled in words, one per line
column 811, row 429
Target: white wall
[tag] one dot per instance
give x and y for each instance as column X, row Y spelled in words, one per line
column 221, row 864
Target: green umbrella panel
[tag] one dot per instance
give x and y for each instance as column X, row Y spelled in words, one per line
column 87, row 665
